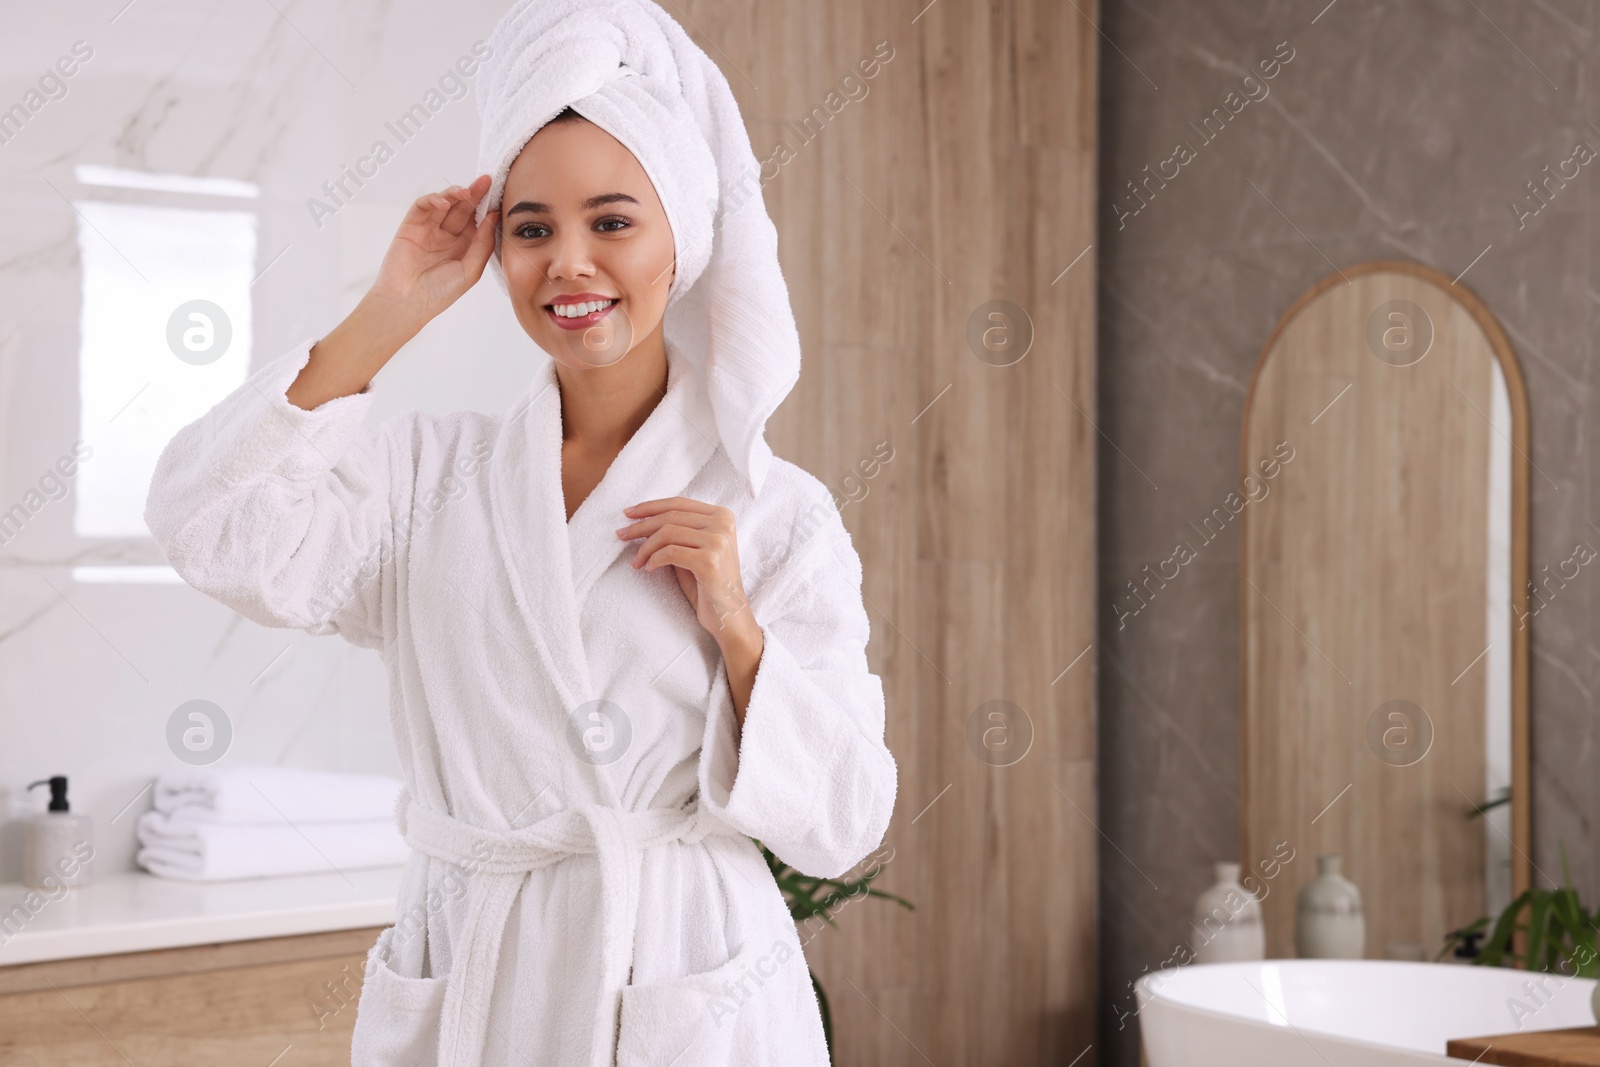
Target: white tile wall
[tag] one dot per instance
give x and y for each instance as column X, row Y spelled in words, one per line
column 90, row 670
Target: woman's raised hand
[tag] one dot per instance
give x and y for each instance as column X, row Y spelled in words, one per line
column 438, row 253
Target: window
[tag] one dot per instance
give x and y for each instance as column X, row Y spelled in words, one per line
column 141, row 264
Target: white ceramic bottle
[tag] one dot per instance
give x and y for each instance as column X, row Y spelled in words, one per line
column 1227, row 921
column 1328, row 922
column 58, row 845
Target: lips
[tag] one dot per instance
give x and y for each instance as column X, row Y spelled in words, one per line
column 582, row 322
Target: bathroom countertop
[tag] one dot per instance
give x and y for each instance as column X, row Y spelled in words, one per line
column 1572, row 1047
column 134, row 911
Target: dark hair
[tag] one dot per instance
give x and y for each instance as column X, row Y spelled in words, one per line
column 567, row 115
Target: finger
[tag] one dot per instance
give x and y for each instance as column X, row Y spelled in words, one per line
column 669, row 535
column 710, row 540
column 431, row 212
column 646, row 527
column 459, row 216
column 422, row 225
column 426, row 206
column 683, row 503
column 679, row 556
column 482, row 246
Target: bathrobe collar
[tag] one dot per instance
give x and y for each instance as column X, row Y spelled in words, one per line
column 553, row 563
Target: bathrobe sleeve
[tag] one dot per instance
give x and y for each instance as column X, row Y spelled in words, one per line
column 810, row 775
column 283, row 514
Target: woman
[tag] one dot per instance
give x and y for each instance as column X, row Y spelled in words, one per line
column 622, row 638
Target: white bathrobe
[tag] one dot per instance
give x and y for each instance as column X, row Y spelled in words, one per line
column 584, row 888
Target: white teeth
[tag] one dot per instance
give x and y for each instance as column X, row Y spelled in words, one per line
column 574, row 311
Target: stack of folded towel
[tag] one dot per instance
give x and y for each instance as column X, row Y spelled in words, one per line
column 211, row 824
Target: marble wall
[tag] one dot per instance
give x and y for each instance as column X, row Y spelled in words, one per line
column 1389, row 130
column 160, row 152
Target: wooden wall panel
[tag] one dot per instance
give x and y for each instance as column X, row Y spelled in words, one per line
column 965, row 175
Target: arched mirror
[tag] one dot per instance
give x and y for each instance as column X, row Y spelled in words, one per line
column 1384, row 605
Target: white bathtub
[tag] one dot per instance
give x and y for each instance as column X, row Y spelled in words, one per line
column 1343, row 1013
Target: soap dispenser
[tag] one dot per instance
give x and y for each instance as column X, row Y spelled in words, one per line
column 57, row 846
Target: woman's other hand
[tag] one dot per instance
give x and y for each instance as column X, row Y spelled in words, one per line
column 698, row 540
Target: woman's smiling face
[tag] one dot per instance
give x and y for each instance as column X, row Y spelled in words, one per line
column 581, row 226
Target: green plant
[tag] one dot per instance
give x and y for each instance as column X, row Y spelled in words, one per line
column 1558, row 934
column 1490, row 805
column 801, row 891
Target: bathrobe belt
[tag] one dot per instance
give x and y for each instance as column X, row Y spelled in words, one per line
column 496, row 862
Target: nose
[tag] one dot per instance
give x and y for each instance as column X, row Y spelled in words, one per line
column 570, row 256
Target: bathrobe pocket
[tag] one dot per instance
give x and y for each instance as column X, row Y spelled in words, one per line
column 693, row 1019
column 397, row 1018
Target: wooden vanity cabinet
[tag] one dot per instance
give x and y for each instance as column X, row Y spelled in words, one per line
column 275, row 1001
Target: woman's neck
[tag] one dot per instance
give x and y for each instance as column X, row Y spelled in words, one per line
column 602, row 407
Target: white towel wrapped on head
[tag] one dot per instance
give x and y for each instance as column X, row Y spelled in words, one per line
column 626, row 66
column 274, row 795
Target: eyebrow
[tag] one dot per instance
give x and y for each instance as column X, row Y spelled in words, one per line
column 540, row 207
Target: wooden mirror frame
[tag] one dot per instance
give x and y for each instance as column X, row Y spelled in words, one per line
column 1521, row 787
